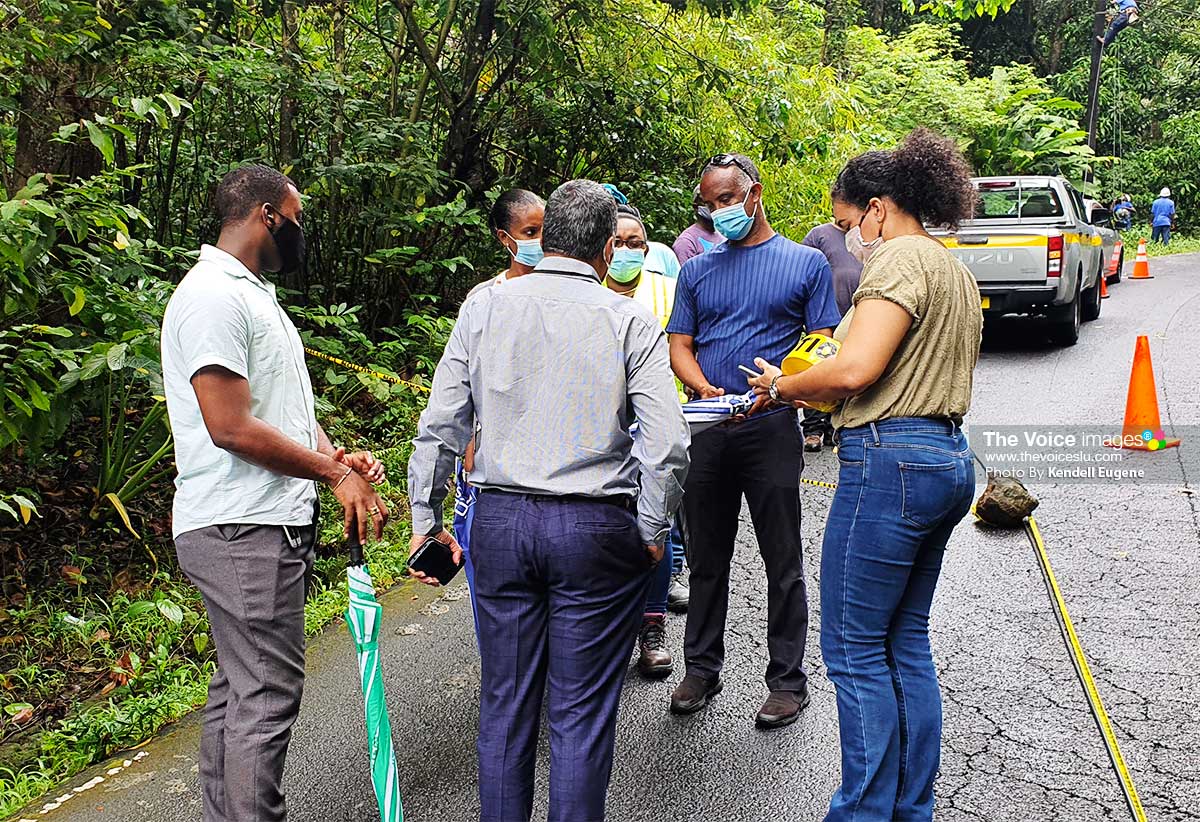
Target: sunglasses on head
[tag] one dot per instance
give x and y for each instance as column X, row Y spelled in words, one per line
column 723, row 160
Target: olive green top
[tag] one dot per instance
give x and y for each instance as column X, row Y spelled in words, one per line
column 930, row 373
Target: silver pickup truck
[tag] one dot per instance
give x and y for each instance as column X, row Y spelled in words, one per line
column 1033, row 251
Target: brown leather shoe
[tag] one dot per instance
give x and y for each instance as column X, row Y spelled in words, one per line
column 694, row 693
column 781, row 709
column 654, row 660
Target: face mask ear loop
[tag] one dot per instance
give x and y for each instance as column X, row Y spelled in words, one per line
column 511, row 253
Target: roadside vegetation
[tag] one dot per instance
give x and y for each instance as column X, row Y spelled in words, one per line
column 401, row 122
column 1180, row 243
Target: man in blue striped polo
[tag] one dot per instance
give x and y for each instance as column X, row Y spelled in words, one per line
column 753, row 296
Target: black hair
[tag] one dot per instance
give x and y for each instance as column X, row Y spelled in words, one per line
column 926, row 175
column 502, row 214
column 246, row 188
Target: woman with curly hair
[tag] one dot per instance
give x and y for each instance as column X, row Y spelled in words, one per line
column 909, row 347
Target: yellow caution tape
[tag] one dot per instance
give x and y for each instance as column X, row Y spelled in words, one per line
column 386, row 377
column 820, row 483
column 1085, row 674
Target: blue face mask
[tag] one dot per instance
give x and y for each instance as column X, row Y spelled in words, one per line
column 626, row 264
column 732, row 222
column 529, row 252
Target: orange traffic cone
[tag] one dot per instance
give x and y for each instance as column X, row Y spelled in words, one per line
column 1104, row 286
column 1141, row 265
column 1143, row 428
column 1114, row 264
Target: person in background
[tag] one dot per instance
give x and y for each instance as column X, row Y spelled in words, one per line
column 248, row 448
column 571, row 518
column 1127, row 13
column 660, row 259
column 1162, row 217
column 756, row 292
column 700, row 236
column 628, row 276
column 1122, row 210
column 904, row 371
column 832, row 240
column 516, row 222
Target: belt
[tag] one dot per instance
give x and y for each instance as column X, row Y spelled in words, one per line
column 625, row 502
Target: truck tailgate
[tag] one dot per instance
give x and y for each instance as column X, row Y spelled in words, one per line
column 997, row 257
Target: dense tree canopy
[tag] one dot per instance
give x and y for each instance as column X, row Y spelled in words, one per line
column 401, row 119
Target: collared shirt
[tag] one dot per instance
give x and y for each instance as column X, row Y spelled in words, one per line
column 555, row 367
column 740, row 302
column 221, row 314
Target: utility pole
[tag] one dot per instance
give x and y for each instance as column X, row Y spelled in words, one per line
column 1098, row 26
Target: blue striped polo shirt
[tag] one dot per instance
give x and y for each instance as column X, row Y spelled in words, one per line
column 741, row 302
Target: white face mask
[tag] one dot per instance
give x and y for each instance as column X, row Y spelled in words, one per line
column 858, row 249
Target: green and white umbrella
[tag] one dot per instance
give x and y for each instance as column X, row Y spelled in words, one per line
column 363, row 617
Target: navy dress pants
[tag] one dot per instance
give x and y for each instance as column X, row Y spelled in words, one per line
column 560, row 584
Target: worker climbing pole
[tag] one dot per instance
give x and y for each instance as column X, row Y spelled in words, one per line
column 1098, row 22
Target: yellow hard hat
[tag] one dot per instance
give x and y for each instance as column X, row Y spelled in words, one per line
column 811, row 349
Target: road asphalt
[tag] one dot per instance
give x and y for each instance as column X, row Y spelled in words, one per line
column 1020, row 743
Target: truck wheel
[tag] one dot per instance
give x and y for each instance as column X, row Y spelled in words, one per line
column 1090, row 309
column 1065, row 321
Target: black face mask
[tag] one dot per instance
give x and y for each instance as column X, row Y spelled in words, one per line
column 290, row 243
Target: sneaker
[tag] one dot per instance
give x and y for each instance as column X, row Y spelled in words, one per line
column 654, row 660
column 678, row 595
column 694, row 693
column 781, row 709
column 812, row 442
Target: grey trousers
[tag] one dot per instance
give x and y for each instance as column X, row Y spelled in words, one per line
column 254, row 579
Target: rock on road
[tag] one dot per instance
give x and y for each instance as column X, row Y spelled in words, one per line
column 1020, row 743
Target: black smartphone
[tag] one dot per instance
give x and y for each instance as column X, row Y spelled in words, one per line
column 435, row 559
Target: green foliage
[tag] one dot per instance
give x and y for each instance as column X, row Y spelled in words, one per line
column 1033, row 132
column 959, row 9
column 131, row 451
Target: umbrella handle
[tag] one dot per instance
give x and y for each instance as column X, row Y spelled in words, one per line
column 354, row 547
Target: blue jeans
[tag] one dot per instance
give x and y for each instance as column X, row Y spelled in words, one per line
column 672, row 563
column 560, row 586
column 903, row 486
column 1119, row 22
column 1161, row 233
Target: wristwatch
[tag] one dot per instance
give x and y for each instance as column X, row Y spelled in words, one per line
column 773, row 391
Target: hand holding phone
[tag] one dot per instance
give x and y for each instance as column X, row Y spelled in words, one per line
column 435, row 560
column 749, row 372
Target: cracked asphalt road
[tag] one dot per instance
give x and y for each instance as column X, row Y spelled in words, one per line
column 1020, row 743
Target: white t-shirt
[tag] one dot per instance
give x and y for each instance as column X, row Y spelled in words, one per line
column 221, row 314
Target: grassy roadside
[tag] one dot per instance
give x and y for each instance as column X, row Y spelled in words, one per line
column 1180, row 243
column 113, row 649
